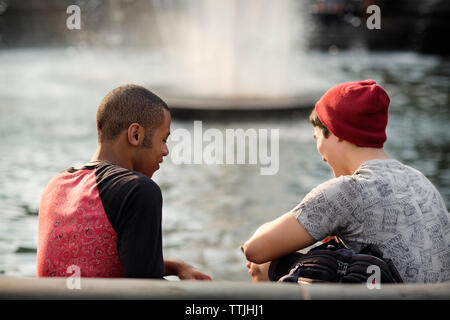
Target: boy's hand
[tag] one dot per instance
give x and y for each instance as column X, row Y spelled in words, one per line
column 183, row 270
column 190, row 273
column 259, row 272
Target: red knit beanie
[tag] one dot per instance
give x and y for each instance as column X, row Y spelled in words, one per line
column 356, row 112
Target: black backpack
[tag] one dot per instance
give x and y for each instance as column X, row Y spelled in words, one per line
column 333, row 262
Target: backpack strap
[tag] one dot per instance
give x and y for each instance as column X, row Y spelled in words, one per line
column 293, row 274
column 373, row 250
column 335, row 243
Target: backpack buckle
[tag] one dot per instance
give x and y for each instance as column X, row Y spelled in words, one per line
column 342, row 268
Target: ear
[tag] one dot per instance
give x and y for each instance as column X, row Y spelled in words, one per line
column 135, row 134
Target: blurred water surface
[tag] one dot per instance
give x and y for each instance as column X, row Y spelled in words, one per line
column 48, row 101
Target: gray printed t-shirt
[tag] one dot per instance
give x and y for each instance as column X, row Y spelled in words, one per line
column 388, row 204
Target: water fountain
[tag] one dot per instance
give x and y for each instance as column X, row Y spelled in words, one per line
column 235, row 55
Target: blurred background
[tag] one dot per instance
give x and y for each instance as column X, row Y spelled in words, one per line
column 225, row 53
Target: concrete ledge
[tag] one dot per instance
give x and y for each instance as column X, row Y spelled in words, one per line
column 239, row 108
column 124, row 289
column 237, row 103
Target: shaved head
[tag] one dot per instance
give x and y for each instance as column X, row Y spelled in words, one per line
column 126, row 105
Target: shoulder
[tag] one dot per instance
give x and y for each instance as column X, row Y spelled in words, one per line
column 385, row 167
column 325, row 209
column 146, row 186
column 323, row 197
column 332, row 187
column 396, row 174
column 127, row 196
column 114, row 179
column 333, row 197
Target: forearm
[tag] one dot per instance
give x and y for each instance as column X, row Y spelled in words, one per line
column 276, row 238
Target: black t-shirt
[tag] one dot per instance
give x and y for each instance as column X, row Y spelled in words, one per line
column 133, row 204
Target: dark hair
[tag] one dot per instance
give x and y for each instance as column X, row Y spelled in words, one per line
column 315, row 121
column 128, row 104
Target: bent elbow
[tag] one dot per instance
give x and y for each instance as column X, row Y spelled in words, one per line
column 253, row 254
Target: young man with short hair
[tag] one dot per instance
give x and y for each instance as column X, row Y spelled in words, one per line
column 372, row 199
column 105, row 216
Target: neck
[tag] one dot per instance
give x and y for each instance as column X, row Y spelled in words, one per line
column 359, row 155
column 110, row 152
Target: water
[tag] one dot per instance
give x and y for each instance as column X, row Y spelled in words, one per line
column 219, row 48
column 48, row 100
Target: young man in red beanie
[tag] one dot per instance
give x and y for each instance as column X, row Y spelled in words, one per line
column 372, row 199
